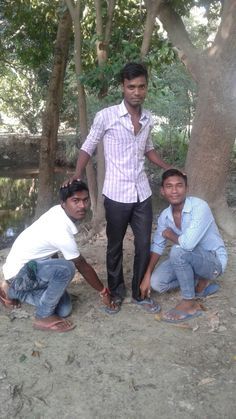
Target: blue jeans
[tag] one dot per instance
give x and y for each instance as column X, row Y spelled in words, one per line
column 49, row 295
column 182, row 269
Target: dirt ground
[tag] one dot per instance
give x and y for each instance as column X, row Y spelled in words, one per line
column 130, row 365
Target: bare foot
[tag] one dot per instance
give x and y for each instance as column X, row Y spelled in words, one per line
column 53, row 323
column 202, row 284
column 185, row 310
column 7, row 302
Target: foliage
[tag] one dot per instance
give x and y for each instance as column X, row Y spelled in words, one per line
column 13, row 190
column 28, row 30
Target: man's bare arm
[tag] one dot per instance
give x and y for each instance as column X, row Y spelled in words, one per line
column 154, row 157
column 81, row 164
column 91, row 277
column 170, row 235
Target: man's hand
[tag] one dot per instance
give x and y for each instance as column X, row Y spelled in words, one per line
column 107, row 301
column 145, row 286
column 69, row 181
column 170, row 235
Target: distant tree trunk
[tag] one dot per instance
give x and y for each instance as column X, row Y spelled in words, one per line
column 151, row 8
column 75, row 9
column 50, row 121
column 102, row 44
column 214, row 126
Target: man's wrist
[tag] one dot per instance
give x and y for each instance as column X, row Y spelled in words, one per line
column 105, row 292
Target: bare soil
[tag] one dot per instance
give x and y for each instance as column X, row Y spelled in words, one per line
column 129, row 365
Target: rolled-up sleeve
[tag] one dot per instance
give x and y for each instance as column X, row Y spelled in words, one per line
column 201, row 219
column 95, row 135
column 159, row 242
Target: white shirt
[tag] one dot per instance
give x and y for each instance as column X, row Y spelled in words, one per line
column 125, row 178
column 52, row 232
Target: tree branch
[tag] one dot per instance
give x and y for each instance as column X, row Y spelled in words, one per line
column 179, row 37
column 151, row 9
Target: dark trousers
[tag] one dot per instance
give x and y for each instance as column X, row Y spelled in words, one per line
column 118, row 216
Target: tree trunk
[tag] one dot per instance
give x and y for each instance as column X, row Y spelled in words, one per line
column 75, row 10
column 151, row 10
column 212, row 138
column 214, row 126
column 50, row 122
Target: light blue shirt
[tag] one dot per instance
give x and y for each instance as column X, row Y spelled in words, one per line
column 198, row 228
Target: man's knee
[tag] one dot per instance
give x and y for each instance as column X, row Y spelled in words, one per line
column 157, row 284
column 176, row 253
column 64, row 310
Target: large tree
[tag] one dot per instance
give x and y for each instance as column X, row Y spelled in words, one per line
column 214, row 126
column 50, row 122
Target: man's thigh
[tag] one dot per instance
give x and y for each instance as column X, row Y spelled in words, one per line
column 118, row 216
column 48, row 269
column 163, row 276
column 141, row 220
column 205, row 263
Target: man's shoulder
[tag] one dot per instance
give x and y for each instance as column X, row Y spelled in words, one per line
column 195, row 201
column 113, row 109
column 165, row 213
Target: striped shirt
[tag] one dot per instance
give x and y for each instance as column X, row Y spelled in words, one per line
column 125, row 178
column 198, row 228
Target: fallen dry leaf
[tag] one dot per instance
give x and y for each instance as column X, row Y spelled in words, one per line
column 207, row 380
column 39, row 344
column 214, row 321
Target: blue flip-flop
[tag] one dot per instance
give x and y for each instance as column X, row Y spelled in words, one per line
column 209, row 290
column 108, row 310
column 148, row 305
column 185, row 316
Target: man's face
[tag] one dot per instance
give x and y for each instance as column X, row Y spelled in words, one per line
column 174, row 190
column 77, row 205
column 134, row 91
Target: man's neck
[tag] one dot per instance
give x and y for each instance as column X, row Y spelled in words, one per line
column 133, row 110
column 177, row 209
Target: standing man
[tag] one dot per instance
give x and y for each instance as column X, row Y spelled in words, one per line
column 198, row 253
column 126, row 133
column 33, row 276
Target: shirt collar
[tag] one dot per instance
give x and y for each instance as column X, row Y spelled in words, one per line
column 186, row 208
column 123, row 111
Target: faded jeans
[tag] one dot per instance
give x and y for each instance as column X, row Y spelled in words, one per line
column 183, row 268
column 49, row 294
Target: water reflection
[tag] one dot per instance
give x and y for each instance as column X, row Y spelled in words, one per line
column 18, row 197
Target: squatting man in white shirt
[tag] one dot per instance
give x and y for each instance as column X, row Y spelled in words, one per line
column 33, row 276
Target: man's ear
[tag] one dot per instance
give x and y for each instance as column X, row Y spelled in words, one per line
column 63, row 204
column 162, row 191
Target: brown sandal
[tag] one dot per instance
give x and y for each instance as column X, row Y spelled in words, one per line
column 7, row 302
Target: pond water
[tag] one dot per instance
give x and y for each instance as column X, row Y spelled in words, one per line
column 18, row 197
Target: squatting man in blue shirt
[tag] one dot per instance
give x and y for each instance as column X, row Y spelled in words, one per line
column 198, row 254
column 33, row 276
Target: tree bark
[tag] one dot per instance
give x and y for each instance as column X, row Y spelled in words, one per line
column 50, row 122
column 103, row 34
column 152, row 7
column 214, row 126
column 75, row 10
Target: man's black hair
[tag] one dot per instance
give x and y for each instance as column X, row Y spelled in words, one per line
column 173, row 172
column 73, row 187
column 132, row 70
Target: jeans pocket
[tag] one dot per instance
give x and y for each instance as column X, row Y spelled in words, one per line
column 26, row 279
